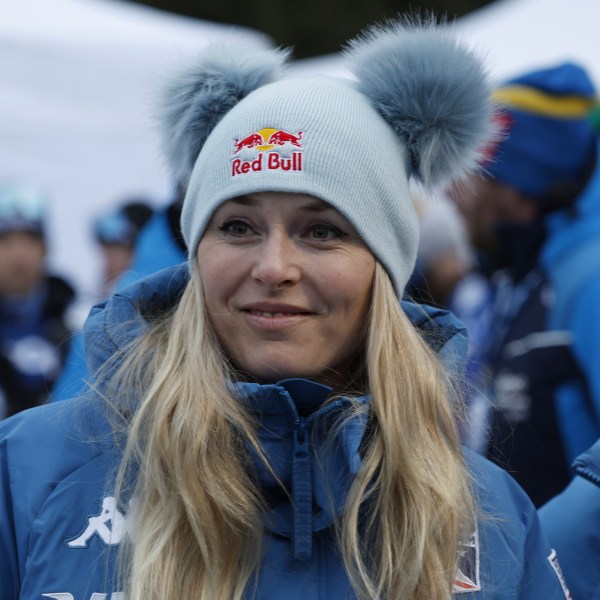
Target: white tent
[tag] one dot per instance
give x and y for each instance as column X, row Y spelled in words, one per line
column 520, row 35
column 77, row 80
column 516, row 36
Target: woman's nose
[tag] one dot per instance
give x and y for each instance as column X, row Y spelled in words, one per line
column 276, row 263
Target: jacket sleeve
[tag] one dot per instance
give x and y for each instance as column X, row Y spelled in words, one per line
column 571, row 521
column 517, row 562
column 585, row 328
column 541, row 576
column 9, row 567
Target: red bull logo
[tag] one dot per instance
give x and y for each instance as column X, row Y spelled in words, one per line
column 276, row 151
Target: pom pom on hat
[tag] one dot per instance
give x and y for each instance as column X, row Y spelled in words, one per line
column 431, row 90
column 549, row 137
column 197, row 97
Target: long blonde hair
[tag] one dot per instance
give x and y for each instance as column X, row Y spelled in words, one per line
column 198, row 529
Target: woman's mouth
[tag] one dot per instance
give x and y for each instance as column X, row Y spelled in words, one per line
column 276, row 317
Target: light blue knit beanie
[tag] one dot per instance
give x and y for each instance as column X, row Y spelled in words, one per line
column 420, row 106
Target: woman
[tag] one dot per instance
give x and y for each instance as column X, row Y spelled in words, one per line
column 287, row 428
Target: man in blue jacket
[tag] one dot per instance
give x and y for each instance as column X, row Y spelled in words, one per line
column 535, row 216
column 35, row 304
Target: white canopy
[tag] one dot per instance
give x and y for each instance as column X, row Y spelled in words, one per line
column 522, row 35
column 77, row 79
column 516, row 36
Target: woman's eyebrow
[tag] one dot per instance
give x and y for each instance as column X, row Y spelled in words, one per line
column 242, row 200
column 316, row 207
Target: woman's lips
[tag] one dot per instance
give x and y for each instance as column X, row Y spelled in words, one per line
column 275, row 317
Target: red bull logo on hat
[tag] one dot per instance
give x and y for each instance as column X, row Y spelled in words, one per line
column 267, row 149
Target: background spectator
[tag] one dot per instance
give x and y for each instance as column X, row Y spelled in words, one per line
column 117, row 232
column 444, row 256
column 536, row 176
column 33, row 304
column 160, row 244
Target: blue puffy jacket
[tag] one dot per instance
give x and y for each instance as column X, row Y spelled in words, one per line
column 571, row 521
column 60, row 526
column 571, row 258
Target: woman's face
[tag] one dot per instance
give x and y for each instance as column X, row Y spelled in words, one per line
column 287, row 284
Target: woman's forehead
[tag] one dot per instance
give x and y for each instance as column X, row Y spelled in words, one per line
column 294, row 201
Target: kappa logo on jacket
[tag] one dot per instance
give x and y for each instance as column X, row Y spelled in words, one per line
column 467, row 577
column 110, row 525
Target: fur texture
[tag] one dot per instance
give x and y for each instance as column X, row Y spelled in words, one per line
column 433, row 91
column 197, row 97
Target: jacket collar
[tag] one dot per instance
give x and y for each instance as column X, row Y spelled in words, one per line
column 313, row 456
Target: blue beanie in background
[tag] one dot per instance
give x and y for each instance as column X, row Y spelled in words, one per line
column 549, row 139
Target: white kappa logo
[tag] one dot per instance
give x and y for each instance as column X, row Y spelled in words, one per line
column 98, row 525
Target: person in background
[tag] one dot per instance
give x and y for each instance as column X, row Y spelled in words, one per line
column 34, row 334
column 271, row 420
column 532, row 195
column 444, row 257
column 116, row 233
column 160, row 244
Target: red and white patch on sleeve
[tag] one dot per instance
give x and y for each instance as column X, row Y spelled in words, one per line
column 553, row 560
column 467, row 576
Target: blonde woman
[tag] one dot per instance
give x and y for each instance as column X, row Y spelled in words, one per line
column 270, row 421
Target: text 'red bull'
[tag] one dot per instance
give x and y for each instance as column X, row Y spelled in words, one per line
column 272, row 162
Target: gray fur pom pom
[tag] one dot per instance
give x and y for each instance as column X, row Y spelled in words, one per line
column 196, row 98
column 433, row 91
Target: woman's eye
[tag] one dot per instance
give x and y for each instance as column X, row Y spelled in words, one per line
column 237, row 228
column 325, row 232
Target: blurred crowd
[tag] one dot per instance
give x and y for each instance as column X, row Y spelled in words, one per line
column 514, row 253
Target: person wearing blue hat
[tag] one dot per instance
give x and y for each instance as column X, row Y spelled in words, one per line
column 525, row 212
column 271, row 419
column 34, row 329
column 116, row 233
